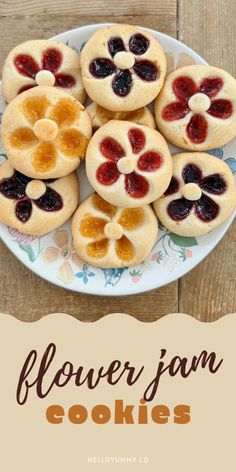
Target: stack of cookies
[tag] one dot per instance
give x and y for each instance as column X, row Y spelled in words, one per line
column 46, row 132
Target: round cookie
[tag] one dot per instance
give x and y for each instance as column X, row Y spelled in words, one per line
column 201, row 195
column 36, row 207
column 122, row 67
column 107, row 236
column 129, row 165
column 99, row 116
column 42, row 62
column 196, row 108
column 45, row 132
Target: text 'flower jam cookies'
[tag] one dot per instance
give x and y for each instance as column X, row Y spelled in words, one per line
column 42, row 62
column 107, row 236
column 201, row 195
column 127, row 164
column 45, row 133
column 196, row 108
column 36, row 207
column 122, row 67
column 100, row 116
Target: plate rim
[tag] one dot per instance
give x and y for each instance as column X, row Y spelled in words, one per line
column 131, row 289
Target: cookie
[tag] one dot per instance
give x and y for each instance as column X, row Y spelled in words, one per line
column 129, row 165
column 45, row 132
column 196, row 108
column 100, row 116
column 42, row 62
column 201, row 195
column 107, row 236
column 122, row 67
column 36, row 207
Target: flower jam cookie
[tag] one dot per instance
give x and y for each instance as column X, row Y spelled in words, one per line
column 201, row 195
column 123, row 67
column 127, row 164
column 100, row 116
column 45, row 133
column 42, row 62
column 196, row 108
column 36, row 207
column 107, row 236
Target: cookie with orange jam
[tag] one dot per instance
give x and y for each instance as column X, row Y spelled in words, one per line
column 107, row 236
column 45, row 133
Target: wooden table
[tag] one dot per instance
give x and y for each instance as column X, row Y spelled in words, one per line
column 208, row 26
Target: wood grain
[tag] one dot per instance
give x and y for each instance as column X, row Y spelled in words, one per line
column 208, row 26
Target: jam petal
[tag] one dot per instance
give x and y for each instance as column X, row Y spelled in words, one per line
column 191, row 174
column 44, row 157
column 107, row 173
column 221, row 109
column 214, row 184
column 50, row 201
column 122, row 83
column 173, row 187
column 137, row 139
column 51, row 59
column 111, row 149
column 150, row 161
column 14, row 187
column 179, row 209
column 64, row 80
column 115, row 45
column 65, row 112
column 131, row 218
column 124, row 249
column 23, row 138
column 26, row 65
column 34, row 108
column 98, row 248
column 136, row 185
column 175, row 111
column 197, row 129
column 146, row 70
column 93, row 227
column 103, row 206
column 206, row 209
column 138, row 44
column 23, row 210
column 184, row 87
column 102, row 67
column 72, row 143
column 211, row 86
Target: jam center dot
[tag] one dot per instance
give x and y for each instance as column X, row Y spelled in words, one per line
column 199, row 102
column 124, row 60
column 113, row 231
column 192, row 192
column 125, row 165
column 45, row 77
column 45, row 129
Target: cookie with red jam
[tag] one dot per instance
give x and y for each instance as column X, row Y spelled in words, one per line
column 201, row 195
column 45, row 132
column 122, row 67
column 42, row 62
column 129, row 165
column 196, row 108
column 107, row 236
column 36, row 207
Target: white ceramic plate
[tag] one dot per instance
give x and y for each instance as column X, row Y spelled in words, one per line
column 171, row 257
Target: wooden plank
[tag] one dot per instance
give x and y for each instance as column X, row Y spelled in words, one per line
column 209, row 28
column 23, row 293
